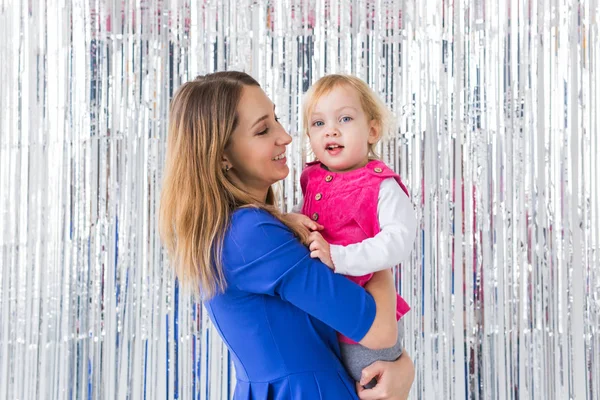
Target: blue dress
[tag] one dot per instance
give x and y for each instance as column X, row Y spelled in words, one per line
column 280, row 313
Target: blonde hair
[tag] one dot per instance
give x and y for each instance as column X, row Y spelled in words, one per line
column 197, row 199
column 372, row 105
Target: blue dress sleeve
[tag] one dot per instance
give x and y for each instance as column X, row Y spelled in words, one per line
column 261, row 255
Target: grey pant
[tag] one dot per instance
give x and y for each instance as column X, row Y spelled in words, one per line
column 356, row 357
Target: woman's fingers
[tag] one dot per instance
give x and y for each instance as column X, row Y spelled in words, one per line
column 372, row 371
column 394, row 379
column 312, row 225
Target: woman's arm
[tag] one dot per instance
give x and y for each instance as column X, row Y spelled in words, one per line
column 394, row 379
column 261, row 255
column 384, row 330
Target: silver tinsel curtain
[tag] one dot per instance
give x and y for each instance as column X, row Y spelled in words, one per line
column 497, row 104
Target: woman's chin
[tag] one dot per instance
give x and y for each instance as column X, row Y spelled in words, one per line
column 283, row 172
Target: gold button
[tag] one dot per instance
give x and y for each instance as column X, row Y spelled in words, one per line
column 378, row 170
column 328, row 178
column 318, row 196
column 315, row 216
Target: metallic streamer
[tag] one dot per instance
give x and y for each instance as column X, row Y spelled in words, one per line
column 497, row 120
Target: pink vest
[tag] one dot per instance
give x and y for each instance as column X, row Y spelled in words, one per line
column 346, row 205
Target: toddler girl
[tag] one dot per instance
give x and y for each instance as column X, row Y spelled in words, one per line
column 361, row 208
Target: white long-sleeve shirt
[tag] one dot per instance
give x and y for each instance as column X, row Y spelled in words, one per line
column 390, row 246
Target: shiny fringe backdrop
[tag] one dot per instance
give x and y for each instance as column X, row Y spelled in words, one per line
column 497, row 105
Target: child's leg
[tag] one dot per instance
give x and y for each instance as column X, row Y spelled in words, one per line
column 356, row 357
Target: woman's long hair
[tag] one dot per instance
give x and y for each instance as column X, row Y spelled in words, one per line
column 197, row 199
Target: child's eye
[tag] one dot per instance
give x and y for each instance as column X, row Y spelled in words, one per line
column 318, row 123
column 346, row 119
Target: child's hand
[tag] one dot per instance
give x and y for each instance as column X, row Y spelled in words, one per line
column 319, row 248
column 307, row 222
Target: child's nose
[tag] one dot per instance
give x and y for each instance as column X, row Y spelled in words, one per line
column 333, row 132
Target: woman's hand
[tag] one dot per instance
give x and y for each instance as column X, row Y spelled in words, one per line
column 319, row 248
column 394, row 379
column 305, row 221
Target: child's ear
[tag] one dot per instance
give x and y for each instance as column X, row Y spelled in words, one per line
column 374, row 131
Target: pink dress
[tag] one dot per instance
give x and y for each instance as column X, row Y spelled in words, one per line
column 346, row 205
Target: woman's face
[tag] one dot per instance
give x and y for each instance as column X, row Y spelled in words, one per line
column 256, row 151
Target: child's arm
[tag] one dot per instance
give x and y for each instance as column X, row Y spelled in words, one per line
column 390, row 246
column 381, row 287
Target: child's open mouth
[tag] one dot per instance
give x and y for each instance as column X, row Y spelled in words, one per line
column 334, row 149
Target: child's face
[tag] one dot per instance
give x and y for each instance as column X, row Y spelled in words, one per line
column 339, row 130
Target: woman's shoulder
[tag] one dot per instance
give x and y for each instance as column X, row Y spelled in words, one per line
column 245, row 214
column 253, row 223
column 248, row 217
column 254, row 239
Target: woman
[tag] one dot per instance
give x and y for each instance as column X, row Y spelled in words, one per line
column 275, row 307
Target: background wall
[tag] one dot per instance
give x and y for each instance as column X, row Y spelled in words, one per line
column 497, row 106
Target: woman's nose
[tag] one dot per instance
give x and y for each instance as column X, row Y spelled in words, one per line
column 284, row 138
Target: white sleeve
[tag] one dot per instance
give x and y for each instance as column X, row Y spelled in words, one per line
column 391, row 245
column 297, row 209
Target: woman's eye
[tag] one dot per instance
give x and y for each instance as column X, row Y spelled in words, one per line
column 276, row 118
column 263, row 132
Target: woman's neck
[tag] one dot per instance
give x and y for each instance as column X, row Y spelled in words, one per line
column 259, row 195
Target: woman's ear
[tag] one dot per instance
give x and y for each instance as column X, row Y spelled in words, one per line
column 225, row 164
